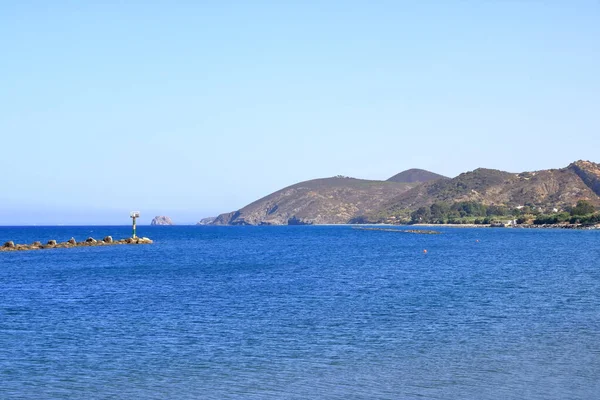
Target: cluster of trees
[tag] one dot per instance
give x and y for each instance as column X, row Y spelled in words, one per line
column 583, row 213
column 474, row 212
column 459, row 212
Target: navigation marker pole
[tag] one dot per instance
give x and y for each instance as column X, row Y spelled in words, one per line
column 134, row 215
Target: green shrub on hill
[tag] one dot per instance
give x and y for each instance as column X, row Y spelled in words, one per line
column 464, row 212
column 583, row 207
column 552, row 218
column 471, row 212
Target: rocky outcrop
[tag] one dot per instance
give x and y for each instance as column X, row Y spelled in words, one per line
column 298, row 221
column 89, row 242
column 161, row 220
column 226, row 218
column 206, row 221
column 589, row 173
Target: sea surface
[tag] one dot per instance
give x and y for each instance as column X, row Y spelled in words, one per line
column 301, row 312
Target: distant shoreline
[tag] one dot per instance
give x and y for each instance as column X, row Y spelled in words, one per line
column 521, row 226
column 454, row 225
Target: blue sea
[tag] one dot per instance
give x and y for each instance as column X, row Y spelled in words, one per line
column 301, row 312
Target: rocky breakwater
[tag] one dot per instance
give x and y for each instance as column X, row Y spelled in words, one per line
column 71, row 243
column 414, row 231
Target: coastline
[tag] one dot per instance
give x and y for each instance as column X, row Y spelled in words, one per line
column 521, row 226
column 453, row 225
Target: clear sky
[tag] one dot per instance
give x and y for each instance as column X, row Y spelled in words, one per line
column 191, row 108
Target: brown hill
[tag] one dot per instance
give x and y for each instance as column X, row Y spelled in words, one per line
column 416, row 175
column 546, row 189
column 321, row 201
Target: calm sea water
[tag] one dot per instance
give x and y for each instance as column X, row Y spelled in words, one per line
column 302, row 313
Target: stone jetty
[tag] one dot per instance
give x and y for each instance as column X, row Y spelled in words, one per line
column 415, row 231
column 71, row 243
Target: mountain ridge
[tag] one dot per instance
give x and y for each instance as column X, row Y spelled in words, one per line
column 340, row 199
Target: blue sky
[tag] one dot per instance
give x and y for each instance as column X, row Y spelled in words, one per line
column 189, row 109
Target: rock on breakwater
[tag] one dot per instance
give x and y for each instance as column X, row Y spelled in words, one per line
column 71, row 243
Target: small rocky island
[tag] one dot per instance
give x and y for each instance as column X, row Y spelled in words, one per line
column 89, row 242
column 161, row 220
